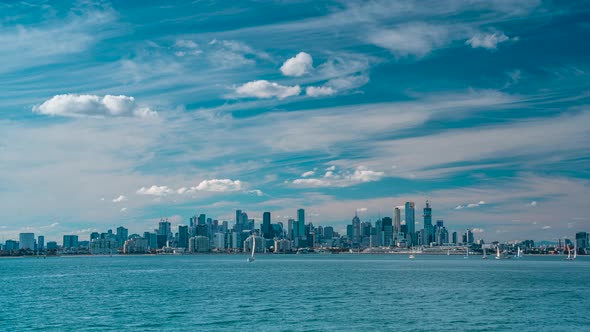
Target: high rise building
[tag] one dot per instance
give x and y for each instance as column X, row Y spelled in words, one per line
column 202, row 219
column 387, row 225
column 455, row 238
column 41, row 242
column 70, row 241
column 26, row 241
column 266, row 227
column 397, row 223
column 582, row 241
column 411, row 222
column 429, row 230
column 122, row 235
column 291, row 229
column 301, row 222
column 356, row 229
column 183, row 236
column 164, row 233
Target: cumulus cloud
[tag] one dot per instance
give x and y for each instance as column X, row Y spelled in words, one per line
column 155, row 191
column 119, row 199
column 299, row 65
column 218, row 185
column 333, row 178
column 73, row 105
column 266, row 89
column 533, row 203
column 308, row 173
column 488, row 41
column 257, row 192
column 319, row 91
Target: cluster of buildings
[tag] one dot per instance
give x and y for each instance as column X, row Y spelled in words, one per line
column 203, row 235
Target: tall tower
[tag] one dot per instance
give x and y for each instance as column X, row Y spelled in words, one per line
column 356, row 229
column 397, row 223
column 428, row 223
column 266, row 227
column 411, row 221
column 301, row 222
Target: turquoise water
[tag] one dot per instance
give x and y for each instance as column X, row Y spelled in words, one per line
column 294, row 293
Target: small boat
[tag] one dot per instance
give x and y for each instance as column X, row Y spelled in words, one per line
column 448, row 252
column 251, row 258
column 485, row 256
column 498, row 253
column 412, row 256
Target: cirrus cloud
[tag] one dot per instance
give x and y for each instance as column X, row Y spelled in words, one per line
column 488, row 41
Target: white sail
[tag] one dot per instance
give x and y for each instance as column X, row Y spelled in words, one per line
column 253, row 245
column 575, row 252
column 497, row 252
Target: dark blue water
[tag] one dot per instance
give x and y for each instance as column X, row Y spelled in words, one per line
column 294, row 293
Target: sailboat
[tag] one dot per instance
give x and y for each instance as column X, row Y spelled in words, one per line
column 575, row 253
column 448, row 252
column 251, row 258
column 484, row 254
column 569, row 254
column 466, row 253
column 518, row 253
column 498, row 253
column 412, row 254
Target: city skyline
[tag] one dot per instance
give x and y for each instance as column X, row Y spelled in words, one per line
column 115, row 113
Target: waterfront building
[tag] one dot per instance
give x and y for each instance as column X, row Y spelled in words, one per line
column 10, row 245
column 356, row 229
column 582, row 241
column 282, row 246
column 455, row 238
column 219, row 241
column 41, row 243
column 259, row 243
column 26, row 241
column 136, row 245
column 102, row 246
column 397, row 221
column 199, row 244
column 429, row 229
column 52, row 245
column 301, row 222
column 94, row 235
column 70, row 241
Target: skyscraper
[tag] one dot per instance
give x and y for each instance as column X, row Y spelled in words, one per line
column 429, row 230
column 356, row 229
column 291, row 229
column 411, row 222
column 266, row 228
column 301, row 222
column 122, row 235
column 183, row 236
column 397, row 223
column 70, row 241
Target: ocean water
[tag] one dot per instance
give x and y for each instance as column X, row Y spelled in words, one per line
column 294, row 293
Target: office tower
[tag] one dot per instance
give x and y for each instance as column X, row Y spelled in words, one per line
column 51, row 245
column 94, row 235
column 387, row 231
column 291, row 231
column 26, row 241
column 429, row 230
column 122, row 235
column 244, row 220
column 440, row 223
column 266, row 228
column 411, row 222
column 328, row 232
column 238, row 217
column 163, row 232
column 301, row 222
column 397, row 221
column 356, row 229
column 202, row 219
column 455, row 238
column 469, row 236
column 183, row 236
column 582, row 241
column 70, row 241
column 192, row 222
column 40, row 242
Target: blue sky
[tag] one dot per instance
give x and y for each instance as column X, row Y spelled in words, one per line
column 119, row 113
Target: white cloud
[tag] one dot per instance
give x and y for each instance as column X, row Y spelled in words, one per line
column 533, row 203
column 155, row 191
column 478, row 230
column 331, row 168
column 308, row 173
column 412, row 39
column 299, row 65
column 363, row 209
column 266, row 89
column 186, row 47
column 73, row 105
column 488, row 41
column 119, row 199
column 258, row 192
column 341, row 179
column 348, row 82
column 319, row 91
column 546, row 227
column 218, row 185
column 124, row 209
column 470, row 205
